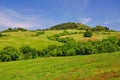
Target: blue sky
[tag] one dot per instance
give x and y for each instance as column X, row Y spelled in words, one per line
column 34, row 14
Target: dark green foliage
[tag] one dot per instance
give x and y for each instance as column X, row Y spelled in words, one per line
column 49, row 51
column 100, row 28
column 28, row 52
column 9, row 54
column 70, row 48
column 14, row 29
column 118, row 42
column 39, row 33
column 70, row 25
column 71, row 52
column 83, row 48
column 1, row 34
column 88, row 33
column 79, row 26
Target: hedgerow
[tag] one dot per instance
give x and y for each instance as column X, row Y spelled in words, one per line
column 70, row 48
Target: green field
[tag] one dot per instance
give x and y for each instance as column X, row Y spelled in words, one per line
column 85, row 67
column 88, row 67
column 18, row 39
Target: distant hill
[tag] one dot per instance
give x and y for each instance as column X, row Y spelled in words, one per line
column 15, row 29
column 70, row 25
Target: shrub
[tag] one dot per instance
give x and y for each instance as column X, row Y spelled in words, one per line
column 88, row 33
column 10, row 54
column 70, row 52
column 39, row 33
column 80, row 50
column 1, row 34
column 89, row 48
column 118, row 42
column 28, row 52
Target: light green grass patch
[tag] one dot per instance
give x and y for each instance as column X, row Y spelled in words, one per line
column 88, row 67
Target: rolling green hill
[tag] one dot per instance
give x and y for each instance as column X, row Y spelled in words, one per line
column 18, row 39
column 84, row 67
column 88, row 67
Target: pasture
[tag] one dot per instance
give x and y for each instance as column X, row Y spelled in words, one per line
column 88, row 67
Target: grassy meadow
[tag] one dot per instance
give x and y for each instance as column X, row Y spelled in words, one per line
column 18, row 39
column 88, row 67
column 85, row 67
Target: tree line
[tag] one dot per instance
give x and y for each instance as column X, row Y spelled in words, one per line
column 71, row 48
column 15, row 29
column 78, row 26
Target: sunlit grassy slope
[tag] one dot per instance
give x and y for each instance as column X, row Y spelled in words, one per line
column 88, row 67
column 18, row 39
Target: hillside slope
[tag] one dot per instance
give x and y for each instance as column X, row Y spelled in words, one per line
column 18, row 39
column 89, row 67
column 70, row 25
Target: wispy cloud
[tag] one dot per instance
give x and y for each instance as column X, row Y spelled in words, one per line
column 76, row 5
column 85, row 3
column 85, row 20
column 113, row 21
column 12, row 18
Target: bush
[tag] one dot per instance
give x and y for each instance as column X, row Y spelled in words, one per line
column 1, row 34
column 39, row 33
column 88, row 33
column 14, row 30
column 28, row 52
column 71, row 52
column 118, row 42
column 10, row 54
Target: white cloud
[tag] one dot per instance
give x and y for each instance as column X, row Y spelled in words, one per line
column 12, row 18
column 113, row 21
column 85, row 20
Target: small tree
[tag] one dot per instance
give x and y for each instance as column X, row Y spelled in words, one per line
column 88, row 33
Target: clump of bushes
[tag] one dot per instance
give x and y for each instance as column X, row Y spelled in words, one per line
column 12, row 54
column 28, row 52
column 71, row 48
column 88, row 33
column 39, row 33
column 1, row 34
column 9, row 54
column 14, row 29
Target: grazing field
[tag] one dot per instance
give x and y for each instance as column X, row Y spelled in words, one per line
column 88, row 67
column 18, row 39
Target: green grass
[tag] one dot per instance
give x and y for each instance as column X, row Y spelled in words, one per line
column 18, row 39
column 96, row 36
column 87, row 67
